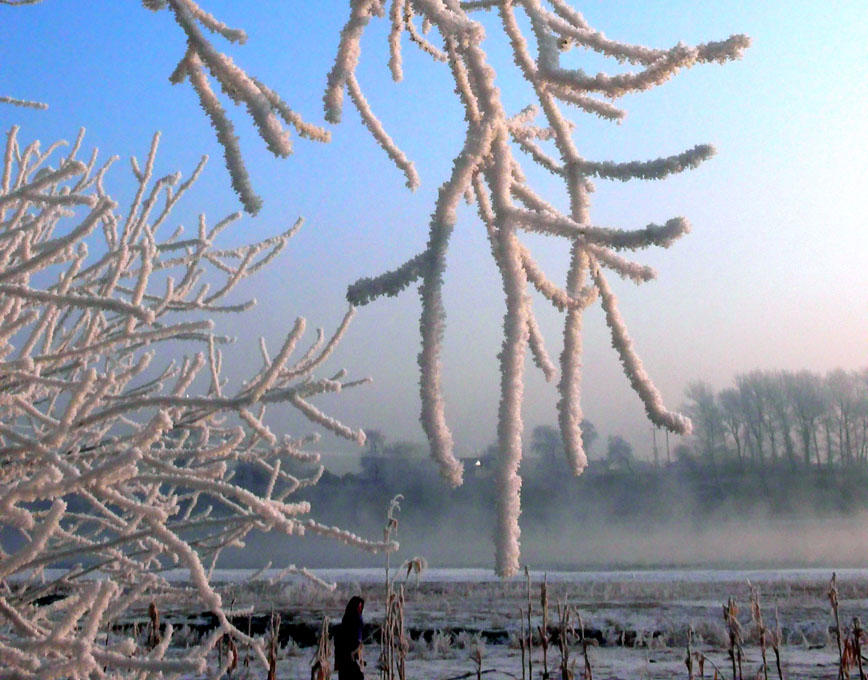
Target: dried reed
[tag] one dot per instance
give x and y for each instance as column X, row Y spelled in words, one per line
column 529, row 627
column 776, row 639
column 833, row 600
column 757, row 616
column 154, row 628
column 476, row 654
column 689, row 659
column 321, row 669
column 584, row 642
column 857, row 644
column 272, row 646
column 544, row 629
column 249, row 636
column 733, row 627
column 697, row 659
column 233, row 653
column 393, row 642
column 415, row 566
column 565, row 632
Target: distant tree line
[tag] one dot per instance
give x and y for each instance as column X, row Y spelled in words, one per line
column 782, row 419
column 809, row 430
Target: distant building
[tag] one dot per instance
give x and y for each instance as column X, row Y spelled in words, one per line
column 479, row 466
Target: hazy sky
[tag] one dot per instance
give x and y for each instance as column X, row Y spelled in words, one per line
column 772, row 276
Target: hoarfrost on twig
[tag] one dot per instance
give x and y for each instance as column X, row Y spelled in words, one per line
column 113, row 456
column 200, row 59
column 488, row 172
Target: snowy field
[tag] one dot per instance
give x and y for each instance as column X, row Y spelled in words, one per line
column 638, row 621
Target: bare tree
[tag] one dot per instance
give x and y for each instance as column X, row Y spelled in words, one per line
column 805, row 392
column 619, row 452
column 782, row 411
column 731, row 417
column 755, row 410
column 844, row 399
column 376, row 440
column 704, row 412
column 115, row 458
column 819, row 415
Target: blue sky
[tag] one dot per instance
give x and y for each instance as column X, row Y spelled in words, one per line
column 772, row 276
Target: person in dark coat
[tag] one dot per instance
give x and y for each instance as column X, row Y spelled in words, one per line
column 348, row 642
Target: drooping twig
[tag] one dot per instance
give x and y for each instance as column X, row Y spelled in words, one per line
column 488, row 171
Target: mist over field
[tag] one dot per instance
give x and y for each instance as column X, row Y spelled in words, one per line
column 717, row 543
column 773, row 475
column 648, row 518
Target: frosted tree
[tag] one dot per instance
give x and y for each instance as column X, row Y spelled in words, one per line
column 488, row 172
column 116, row 459
column 269, row 113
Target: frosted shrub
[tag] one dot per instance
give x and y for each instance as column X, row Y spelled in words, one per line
column 712, row 633
column 797, row 638
column 477, row 644
column 119, row 436
column 187, row 637
column 291, row 649
column 488, row 171
column 308, row 593
column 515, row 639
column 463, row 640
column 440, row 646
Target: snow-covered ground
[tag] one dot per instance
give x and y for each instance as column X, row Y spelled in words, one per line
column 639, row 619
column 797, row 577
column 659, row 576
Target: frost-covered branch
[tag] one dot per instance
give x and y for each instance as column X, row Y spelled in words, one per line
column 25, row 103
column 263, row 105
column 202, row 59
column 488, row 172
column 118, row 459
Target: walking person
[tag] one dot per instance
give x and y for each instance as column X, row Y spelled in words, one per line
column 348, row 642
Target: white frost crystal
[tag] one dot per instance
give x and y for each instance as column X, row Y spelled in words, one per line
column 113, row 457
column 488, row 171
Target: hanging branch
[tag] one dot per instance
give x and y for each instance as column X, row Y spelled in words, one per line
column 488, row 171
column 269, row 113
column 264, row 106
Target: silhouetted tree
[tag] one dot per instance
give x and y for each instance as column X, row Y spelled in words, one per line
column 781, row 411
column 805, row 392
column 799, row 415
column 731, row 415
column 619, row 452
column 704, row 412
column 547, row 444
column 375, row 440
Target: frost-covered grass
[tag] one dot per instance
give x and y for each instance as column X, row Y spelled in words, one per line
column 638, row 622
